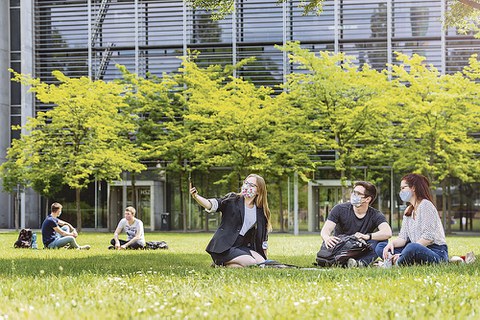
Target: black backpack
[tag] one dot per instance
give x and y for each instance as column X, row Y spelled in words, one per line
column 348, row 247
column 24, row 239
column 154, row 245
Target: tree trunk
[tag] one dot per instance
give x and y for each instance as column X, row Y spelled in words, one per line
column 47, row 209
column 182, row 203
column 134, row 197
column 17, row 208
column 79, row 212
column 445, row 219
column 280, row 206
column 345, row 196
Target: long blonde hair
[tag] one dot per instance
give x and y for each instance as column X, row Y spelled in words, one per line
column 261, row 199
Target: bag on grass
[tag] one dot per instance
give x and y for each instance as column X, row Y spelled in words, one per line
column 26, row 239
column 154, row 245
column 348, row 247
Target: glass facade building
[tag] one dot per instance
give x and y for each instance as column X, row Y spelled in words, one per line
column 90, row 37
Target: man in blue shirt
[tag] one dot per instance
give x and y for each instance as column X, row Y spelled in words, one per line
column 57, row 233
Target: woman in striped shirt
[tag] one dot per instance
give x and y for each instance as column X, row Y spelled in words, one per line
column 421, row 239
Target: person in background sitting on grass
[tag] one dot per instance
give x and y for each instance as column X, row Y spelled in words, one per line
column 134, row 229
column 57, row 233
column 241, row 238
column 421, row 239
column 358, row 218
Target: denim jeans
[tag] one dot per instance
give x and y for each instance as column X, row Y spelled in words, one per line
column 415, row 253
column 371, row 254
column 60, row 241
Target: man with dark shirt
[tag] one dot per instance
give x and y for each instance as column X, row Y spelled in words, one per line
column 57, row 233
column 358, row 218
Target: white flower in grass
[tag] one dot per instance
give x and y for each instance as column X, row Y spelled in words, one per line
column 60, row 268
column 196, row 294
column 74, row 303
column 248, row 307
column 42, row 271
column 141, row 310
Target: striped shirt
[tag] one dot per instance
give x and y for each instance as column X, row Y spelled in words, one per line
column 426, row 225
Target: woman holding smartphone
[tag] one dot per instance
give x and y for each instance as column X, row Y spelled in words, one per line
column 241, row 239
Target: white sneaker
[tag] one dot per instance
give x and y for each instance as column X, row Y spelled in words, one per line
column 352, row 263
column 85, row 247
column 387, row 263
column 470, row 257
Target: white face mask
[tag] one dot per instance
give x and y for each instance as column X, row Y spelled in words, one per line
column 405, row 195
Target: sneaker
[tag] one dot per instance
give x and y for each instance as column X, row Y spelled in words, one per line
column 470, row 257
column 352, row 263
column 456, row 259
column 111, row 247
column 85, row 247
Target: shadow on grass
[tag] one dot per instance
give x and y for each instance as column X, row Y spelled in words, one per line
column 112, row 263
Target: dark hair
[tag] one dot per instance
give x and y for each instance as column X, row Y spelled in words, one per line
column 422, row 188
column 56, row 207
column 370, row 190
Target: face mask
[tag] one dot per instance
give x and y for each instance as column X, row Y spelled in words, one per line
column 356, row 200
column 405, row 195
column 248, row 191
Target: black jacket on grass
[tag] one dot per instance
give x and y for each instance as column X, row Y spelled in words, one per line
column 232, row 207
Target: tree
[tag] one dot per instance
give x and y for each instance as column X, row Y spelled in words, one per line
column 85, row 136
column 221, row 8
column 349, row 104
column 465, row 15
column 246, row 128
column 436, row 114
column 162, row 133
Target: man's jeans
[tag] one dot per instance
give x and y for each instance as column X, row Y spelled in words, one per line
column 60, row 241
column 415, row 253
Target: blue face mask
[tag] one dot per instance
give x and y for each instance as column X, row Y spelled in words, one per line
column 405, row 195
column 356, row 200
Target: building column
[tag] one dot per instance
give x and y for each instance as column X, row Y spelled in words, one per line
column 5, row 199
column 30, row 213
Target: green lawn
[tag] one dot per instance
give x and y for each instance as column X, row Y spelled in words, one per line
column 179, row 284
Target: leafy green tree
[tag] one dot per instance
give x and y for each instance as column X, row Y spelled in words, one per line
column 465, row 15
column 244, row 127
column 436, row 115
column 85, row 136
column 239, row 125
column 349, row 104
column 162, row 133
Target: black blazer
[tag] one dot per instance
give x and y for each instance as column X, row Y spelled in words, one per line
column 232, row 207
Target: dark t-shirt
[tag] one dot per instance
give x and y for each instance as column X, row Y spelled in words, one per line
column 48, row 233
column 348, row 223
